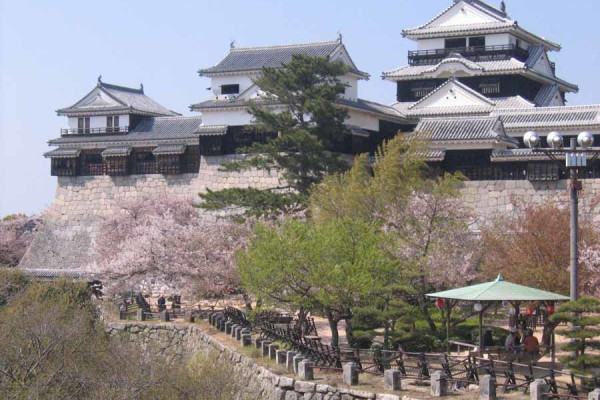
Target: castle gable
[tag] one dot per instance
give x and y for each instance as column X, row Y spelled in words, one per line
column 450, row 95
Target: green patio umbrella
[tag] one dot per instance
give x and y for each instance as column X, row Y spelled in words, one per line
column 496, row 291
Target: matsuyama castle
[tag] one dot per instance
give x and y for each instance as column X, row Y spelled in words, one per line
column 474, row 85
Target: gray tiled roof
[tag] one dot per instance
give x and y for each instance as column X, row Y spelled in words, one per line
column 523, row 155
column 256, row 58
column 482, row 66
column 122, row 100
column 212, row 130
column 432, row 155
column 511, row 102
column 462, row 129
column 235, row 103
column 371, row 106
column 116, row 151
column 551, row 117
column 166, row 149
column 62, row 152
column 150, row 128
column 499, row 23
column 358, row 131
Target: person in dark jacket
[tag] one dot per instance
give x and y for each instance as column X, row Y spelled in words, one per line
column 488, row 340
column 162, row 303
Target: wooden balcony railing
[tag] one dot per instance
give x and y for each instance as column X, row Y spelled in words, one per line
column 481, row 53
column 94, row 131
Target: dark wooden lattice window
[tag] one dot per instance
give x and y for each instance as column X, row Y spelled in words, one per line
column 190, row 162
column 169, row 164
column 477, row 41
column 83, row 125
column 211, row 145
column 457, row 43
column 542, row 172
column 64, row 167
column 92, row 163
column 230, row 89
column 144, row 162
column 116, row 166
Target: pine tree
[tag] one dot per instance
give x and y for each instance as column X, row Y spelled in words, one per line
column 308, row 128
column 583, row 315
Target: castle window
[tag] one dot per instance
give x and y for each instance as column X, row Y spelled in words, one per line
column 169, row 164
column 112, row 124
column 83, row 125
column 490, row 87
column 64, row 167
column 419, row 92
column 458, row 43
column 145, row 162
column 116, row 165
column 92, row 163
column 230, row 89
column 477, row 41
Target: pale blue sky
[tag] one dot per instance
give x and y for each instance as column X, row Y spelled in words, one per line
column 51, row 53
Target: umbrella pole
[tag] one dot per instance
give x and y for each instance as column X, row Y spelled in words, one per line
column 481, row 333
column 448, row 326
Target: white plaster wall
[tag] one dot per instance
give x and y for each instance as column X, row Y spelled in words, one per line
column 231, row 118
column 245, row 81
column 98, row 121
column 430, row 44
column 498, row 39
column 352, row 89
column 364, row 121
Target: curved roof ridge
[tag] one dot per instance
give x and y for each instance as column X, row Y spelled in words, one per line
column 283, row 46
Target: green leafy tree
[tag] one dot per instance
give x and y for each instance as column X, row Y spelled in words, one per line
column 328, row 268
column 308, row 124
column 583, row 315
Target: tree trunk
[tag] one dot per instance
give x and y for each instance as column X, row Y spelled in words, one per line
column 247, row 301
column 333, row 325
column 423, row 307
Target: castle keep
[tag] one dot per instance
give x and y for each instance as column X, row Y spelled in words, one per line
column 475, row 84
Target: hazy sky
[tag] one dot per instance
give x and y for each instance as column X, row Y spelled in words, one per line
column 51, row 53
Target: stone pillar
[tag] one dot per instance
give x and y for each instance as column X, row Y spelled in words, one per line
column 258, row 342
column 487, row 388
column 221, row 324
column 228, row 326
column 537, row 389
column 246, row 340
column 164, row 316
column 289, row 360
column 233, row 328
column 281, row 356
column 350, row 373
column 189, row 317
column 211, row 318
column 140, row 316
column 595, row 395
column 238, row 332
column 439, row 384
column 243, row 332
column 265, row 348
column 296, row 360
column 273, row 351
column 305, row 370
column 392, row 379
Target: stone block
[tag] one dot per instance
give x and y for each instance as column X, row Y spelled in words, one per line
column 392, row 379
column 595, row 395
column 289, row 360
column 228, row 326
column 265, row 348
column 297, row 359
column 140, row 316
column 258, row 342
column 232, row 332
column 487, row 388
column 239, row 332
column 387, row 397
column 350, row 373
column 286, row 383
column 304, row 387
column 164, row 316
column 281, row 356
column 273, row 351
column 537, row 389
column 305, row 370
column 439, row 384
column 246, row 340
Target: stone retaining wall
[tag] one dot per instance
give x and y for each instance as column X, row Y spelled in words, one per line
column 180, row 341
column 64, row 242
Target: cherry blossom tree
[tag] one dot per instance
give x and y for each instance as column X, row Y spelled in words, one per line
column 16, row 234
column 166, row 244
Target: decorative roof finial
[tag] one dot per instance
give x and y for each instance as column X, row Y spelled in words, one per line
column 100, row 78
column 142, row 87
column 503, row 7
column 232, row 44
column 340, row 36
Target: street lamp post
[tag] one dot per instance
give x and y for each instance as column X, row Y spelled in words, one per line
column 575, row 159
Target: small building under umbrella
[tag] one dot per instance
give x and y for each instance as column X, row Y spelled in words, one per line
column 484, row 295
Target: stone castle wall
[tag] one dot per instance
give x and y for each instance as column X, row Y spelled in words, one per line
column 255, row 382
column 65, row 242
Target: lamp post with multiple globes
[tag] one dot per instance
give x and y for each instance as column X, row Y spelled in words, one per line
column 576, row 157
